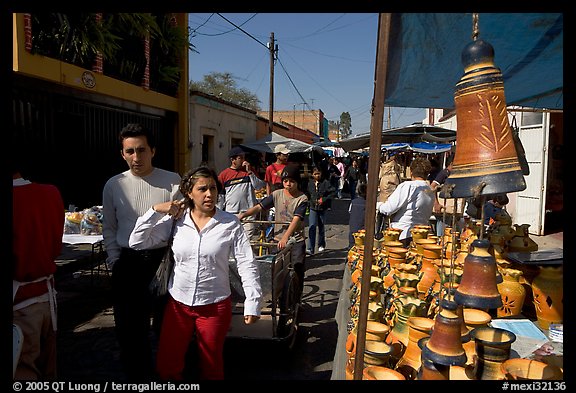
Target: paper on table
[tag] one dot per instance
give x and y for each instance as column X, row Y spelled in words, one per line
column 520, row 327
column 528, row 336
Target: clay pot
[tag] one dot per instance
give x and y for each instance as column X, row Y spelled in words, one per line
column 349, row 372
column 391, row 235
column 474, row 318
column 380, row 373
column 493, row 347
column 420, row 244
column 522, row 369
column 521, row 241
column 419, row 233
column 407, row 279
column 432, row 250
column 409, row 363
column 397, row 252
column 430, row 275
column 460, row 373
column 548, row 295
column 391, row 243
column 407, row 305
column 377, row 353
column 378, row 330
column 359, row 238
column 512, row 293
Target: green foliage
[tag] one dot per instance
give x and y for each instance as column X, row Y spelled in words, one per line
column 224, row 85
column 77, row 38
column 345, row 125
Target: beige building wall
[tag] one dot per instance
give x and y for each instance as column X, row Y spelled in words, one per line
column 215, row 126
column 306, row 120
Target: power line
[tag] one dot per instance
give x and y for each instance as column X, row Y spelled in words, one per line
column 243, row 31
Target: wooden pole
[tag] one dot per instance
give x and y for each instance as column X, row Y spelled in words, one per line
column 271, row 108
column 376, row 126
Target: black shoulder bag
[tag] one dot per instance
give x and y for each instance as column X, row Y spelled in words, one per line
column 159, row 284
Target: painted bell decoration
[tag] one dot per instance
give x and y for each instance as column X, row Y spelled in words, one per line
column 486, row 160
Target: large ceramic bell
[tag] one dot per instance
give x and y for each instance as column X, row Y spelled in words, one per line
column 486, row 160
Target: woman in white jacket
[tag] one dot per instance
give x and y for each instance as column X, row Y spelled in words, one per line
column 412, row 201
column 199, row 303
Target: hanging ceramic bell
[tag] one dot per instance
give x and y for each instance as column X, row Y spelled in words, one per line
column 486, row 160
column 445, row 343
column 478, row 288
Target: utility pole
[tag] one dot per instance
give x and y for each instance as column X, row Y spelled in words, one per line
column 272, row 49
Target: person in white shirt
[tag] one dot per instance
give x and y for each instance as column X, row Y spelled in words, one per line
column 412, row 201
column 199, row 303
column 125, row 197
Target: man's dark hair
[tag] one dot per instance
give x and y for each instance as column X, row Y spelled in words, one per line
column 133, row 130
column 362, row 189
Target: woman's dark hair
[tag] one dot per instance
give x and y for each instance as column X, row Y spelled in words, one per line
column 420, row 167
column 191, row 176
column 133, row 130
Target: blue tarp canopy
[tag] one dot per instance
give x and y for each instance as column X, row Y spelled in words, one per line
column 420, row 147
column 413, row 133
column 424, row 57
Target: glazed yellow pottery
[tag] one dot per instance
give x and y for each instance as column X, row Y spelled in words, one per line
column 512, row 293
column 548, row 295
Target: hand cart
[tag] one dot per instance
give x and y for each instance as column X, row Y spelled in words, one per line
column 280, row 297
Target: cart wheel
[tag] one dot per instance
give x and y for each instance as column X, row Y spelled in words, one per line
column 288, row 303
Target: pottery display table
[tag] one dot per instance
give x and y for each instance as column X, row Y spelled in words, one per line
column 342, row 317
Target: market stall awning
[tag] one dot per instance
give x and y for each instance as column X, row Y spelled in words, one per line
column 413, row 133
column 273, row 139
column 425, row 50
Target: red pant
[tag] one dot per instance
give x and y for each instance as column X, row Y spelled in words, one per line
column 210, row 322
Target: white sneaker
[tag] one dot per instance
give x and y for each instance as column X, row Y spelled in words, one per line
column 308, row 252
column 320, row 249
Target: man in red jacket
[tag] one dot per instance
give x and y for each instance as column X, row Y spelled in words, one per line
column 37, row 228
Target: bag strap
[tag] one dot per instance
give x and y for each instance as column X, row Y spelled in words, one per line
column 171, row 237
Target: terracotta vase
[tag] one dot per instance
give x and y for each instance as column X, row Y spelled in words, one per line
column 430, row 276
column 548, row 295
column 512, row 293
column 523, row 369
column 410, row 362
column 493, row 347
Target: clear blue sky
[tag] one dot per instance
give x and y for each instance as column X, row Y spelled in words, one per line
column 325, row 61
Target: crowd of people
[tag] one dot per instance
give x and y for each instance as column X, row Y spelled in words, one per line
column 213, row 218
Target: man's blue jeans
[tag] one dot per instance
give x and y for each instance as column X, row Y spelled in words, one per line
column 316, row 220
